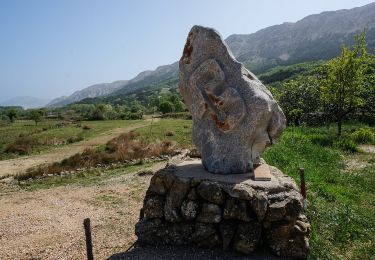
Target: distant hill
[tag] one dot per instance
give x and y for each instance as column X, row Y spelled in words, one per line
column 25, row 102
column 315, row 37
column 96, row 90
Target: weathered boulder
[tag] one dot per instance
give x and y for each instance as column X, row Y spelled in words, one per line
column 189, row 209
column 234, row 115
column 154, row 207
column 247, row 237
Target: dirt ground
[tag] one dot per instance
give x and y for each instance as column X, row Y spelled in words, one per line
column 48, row 223
column 15, row 166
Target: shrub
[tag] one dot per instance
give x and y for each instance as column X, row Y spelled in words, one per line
column 346, row 144
column 22, row 146
column 86, row 127
column 169, row 133
column 363, row 136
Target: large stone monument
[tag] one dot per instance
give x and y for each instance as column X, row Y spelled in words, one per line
column 234, row 115
column 216, row 201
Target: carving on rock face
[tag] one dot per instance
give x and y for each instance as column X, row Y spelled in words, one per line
column 223, row 103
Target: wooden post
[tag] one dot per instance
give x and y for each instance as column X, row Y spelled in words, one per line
column 86, row 225
column 303, row 187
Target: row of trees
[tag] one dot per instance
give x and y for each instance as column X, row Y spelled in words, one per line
column 343, row 86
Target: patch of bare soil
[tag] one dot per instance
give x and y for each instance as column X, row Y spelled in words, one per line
column 368, row 148
column 48, row 224
column 19, row 165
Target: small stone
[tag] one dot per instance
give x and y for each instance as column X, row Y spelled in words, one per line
column 157, row 185
column 247, row 237
column 211, row 192
column 174, row 199
column 240, row 191
column 236, row 209
column 210, row 213
column 189, row 209
column 203, row 231
column 154, row 207
column 276, row 211
column 155, row 231
column 227, row 231
column 192, row 195
column 259, row 205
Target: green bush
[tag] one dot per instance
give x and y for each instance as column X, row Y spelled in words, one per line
column 363, row 136
column 346, row 144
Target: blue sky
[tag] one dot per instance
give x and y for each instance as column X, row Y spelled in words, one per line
column 50, row 48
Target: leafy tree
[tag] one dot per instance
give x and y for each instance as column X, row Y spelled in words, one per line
column 343, row 81
column 99, row 112
column 166, row 107
column 12, row 114
column 300, row 97
column 36, row 116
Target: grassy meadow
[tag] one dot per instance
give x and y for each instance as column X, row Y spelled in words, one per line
column 24, row 137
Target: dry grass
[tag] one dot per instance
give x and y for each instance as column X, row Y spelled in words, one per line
column 22, row 145
column 122, row 149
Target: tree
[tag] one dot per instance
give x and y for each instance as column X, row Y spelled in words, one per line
column 343, row 81
column 36, row 116
column 12, row 114
column 166, row 107
column 300, row 97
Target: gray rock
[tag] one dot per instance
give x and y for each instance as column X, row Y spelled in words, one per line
column 154, row 207
column 247, row 237
column 157, row 185
column 211, row 192
column 155, row 231
column 259, row 205
column 176, row 195
column 234, row 115
column 236, row 209
column 192, row 194
column 189, row 209
column 210, row 213
column 202, row 232
column 227, row 231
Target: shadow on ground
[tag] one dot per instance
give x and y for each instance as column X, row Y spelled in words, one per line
column 146, row 252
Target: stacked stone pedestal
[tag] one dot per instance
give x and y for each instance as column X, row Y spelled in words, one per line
column 187, row 205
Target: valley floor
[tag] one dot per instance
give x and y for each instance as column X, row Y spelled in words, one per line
column 18, row 165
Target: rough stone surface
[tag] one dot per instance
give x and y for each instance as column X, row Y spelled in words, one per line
column 236, row 209
column 210, row 213
column 249, row 214
column 247, row 237
column 154, row 207
column 234, row 115
column 189, row 209
column 211, row 192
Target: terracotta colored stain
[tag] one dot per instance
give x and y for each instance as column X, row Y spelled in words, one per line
column 214, row 98
column 206, row 106
column 222, row 125
column 188, row 49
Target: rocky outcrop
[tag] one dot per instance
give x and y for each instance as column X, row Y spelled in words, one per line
column 234, row 115
column 185, row 204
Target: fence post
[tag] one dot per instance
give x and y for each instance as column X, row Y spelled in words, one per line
column 87, row 226
column 303, row 186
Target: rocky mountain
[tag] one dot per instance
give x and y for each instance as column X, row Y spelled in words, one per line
column 315, row 37
column 25, row 102
column 89, row 92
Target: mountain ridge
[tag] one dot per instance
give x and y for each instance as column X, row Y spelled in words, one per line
column 314, row 37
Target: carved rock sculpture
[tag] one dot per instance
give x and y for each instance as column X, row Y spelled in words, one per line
column 234, row 115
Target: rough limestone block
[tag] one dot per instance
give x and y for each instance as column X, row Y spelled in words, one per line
column 234, row 115
column 248, row 214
